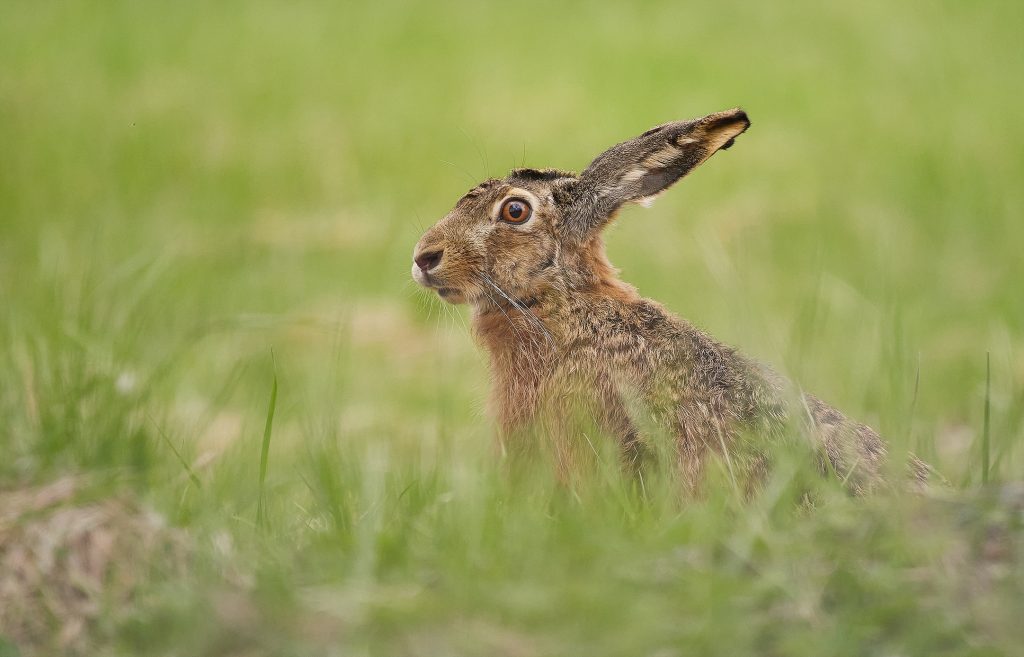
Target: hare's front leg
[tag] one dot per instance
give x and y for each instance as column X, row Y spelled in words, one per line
column 701, row 432
column 572, row 427
column 515, row 405
column 613, row 415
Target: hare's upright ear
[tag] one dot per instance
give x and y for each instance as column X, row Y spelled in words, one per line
column 641, row 168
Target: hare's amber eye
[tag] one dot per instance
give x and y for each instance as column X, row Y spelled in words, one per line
column 515, row 211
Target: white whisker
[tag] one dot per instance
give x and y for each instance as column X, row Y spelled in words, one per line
column 511, row 324
column 530, row 317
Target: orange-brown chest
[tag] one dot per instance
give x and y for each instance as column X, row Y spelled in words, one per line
column 523, row 359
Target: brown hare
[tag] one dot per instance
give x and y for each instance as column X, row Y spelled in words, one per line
column 526, row 253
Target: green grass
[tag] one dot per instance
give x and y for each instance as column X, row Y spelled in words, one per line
column 186, row 190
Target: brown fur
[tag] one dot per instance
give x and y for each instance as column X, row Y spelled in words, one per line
column 563, row 331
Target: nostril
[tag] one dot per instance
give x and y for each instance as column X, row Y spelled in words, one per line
column 429, row 260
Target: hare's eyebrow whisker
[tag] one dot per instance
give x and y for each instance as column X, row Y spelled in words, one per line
column 479, row 151
column 461, row 170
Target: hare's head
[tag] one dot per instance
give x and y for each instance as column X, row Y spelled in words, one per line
column 536, row 232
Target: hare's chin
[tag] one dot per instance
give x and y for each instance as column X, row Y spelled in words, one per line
column 450, row 294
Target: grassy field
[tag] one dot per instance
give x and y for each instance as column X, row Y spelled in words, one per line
column 206, row 202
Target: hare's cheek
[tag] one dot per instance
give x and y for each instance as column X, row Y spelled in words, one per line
column 503, row 269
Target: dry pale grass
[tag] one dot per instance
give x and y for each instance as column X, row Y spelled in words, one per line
column 66, row 562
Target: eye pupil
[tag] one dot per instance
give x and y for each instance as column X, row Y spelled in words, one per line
column 515, row 210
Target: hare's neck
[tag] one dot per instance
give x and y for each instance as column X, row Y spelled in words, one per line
column 522, row 342
column 590, row 273
column 522, row 329
column 530, row 331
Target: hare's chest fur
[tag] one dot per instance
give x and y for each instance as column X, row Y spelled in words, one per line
column 594, row 354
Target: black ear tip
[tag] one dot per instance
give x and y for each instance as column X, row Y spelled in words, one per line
column 728, row 120
column 735, row 121
column 739, row 116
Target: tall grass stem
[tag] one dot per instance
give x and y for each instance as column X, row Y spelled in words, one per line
column 261, row 510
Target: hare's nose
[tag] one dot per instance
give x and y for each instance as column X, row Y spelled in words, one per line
column 429, row 260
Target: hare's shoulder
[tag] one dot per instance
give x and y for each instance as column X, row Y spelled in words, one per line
column 647, row 324
column 642, row 333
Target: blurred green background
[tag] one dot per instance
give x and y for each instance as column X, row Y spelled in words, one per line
column 185, row 189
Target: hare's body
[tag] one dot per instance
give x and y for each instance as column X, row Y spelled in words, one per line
column 564, row 334
column 611, row 353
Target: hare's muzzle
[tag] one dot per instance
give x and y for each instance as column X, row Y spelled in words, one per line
column 428, row 260
column 424, row 262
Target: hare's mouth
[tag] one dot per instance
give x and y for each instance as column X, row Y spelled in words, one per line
column 431, row 282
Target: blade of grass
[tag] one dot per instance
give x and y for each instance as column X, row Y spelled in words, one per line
column 913, row 402
column 265, row 451
column 181, row 459
column 985, row 437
